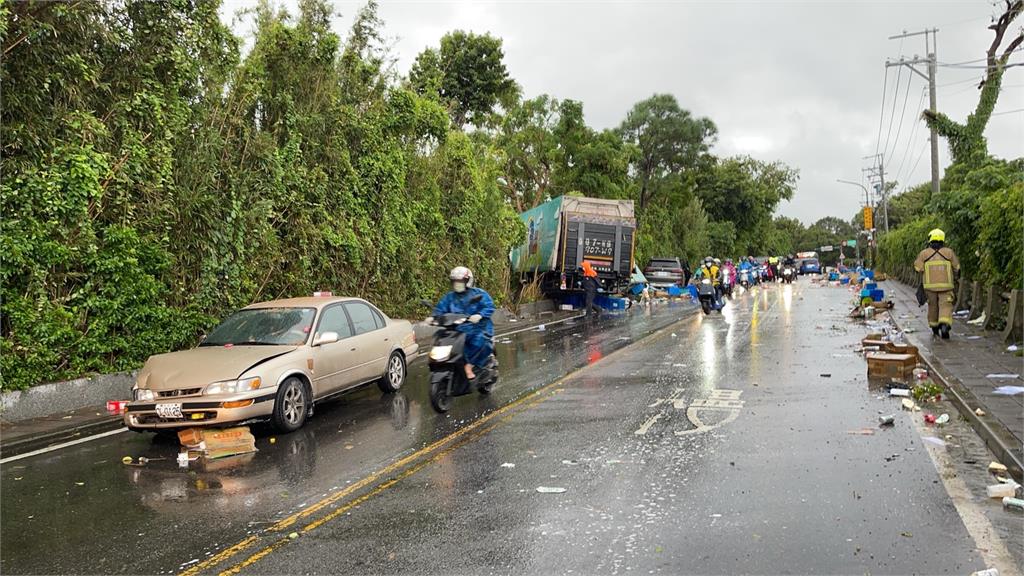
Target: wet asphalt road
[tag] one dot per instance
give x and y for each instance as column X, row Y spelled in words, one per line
column 715, row 445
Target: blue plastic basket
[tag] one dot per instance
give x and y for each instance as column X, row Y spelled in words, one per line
column 877, row 295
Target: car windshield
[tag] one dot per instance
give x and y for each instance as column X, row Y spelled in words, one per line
column 810, row 262
column 663, row 264
column 263, row 327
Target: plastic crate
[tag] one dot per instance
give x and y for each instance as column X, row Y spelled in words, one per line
column 609, row 303
column 877, row 295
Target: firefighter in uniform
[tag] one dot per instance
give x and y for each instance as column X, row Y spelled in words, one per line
column 939, row 267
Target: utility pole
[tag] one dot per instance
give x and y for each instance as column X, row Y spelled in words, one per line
column 878, row 172
column 930, row 61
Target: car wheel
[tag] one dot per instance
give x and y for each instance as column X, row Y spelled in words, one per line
column 291, row 406
column 394, row 374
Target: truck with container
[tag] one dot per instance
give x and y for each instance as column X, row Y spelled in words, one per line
column 563, row 233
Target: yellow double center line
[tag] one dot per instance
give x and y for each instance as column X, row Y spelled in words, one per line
column 455, row 440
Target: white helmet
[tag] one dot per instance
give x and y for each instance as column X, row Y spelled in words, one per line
column 461, row 277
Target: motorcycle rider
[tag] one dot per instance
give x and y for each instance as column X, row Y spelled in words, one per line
column 479, row 330
column 746, row 265
column 773, row 267
column 790, row 262
column 730, row 269
column 710, row 270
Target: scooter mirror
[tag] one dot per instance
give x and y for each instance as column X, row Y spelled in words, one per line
column 427, row 303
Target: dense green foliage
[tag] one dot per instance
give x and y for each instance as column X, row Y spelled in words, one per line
column 155, row 179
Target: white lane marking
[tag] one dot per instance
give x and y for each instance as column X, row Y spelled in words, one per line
column 64, row 445
column 991, row 547
column 720, row 400
column 647, row 425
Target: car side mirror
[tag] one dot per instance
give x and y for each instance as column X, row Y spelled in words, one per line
column 326, row 338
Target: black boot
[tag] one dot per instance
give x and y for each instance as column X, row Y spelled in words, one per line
column 944, row 329
column 935, row 330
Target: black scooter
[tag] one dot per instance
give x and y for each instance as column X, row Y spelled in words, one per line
column 447, row 362
column 706, row 295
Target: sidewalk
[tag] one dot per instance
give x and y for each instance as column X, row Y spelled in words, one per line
column 964, row 362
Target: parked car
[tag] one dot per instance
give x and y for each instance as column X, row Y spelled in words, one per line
column 810, row 266
column 270, row 362
column 664, row 272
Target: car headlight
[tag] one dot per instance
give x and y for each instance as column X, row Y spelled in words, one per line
column 440, row 353
column 234, row 386
column 143, row 395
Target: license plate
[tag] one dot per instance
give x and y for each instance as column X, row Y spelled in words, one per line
column 169, row 411
column 661, row 273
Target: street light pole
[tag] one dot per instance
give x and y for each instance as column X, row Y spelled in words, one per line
column 867, row 202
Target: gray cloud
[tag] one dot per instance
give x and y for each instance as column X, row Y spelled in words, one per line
column 795, row 81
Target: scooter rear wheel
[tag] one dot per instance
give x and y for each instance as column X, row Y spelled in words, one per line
column 706, row 306
column 439, row 398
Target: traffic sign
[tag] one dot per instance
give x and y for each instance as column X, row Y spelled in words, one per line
column 851, row 243
column 869, row 220
column 826, row 248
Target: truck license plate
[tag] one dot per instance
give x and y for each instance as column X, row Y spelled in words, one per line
column 169, row 411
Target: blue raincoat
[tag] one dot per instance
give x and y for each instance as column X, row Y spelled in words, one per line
column 479, row 336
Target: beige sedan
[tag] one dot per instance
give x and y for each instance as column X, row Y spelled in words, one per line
column 272, row 361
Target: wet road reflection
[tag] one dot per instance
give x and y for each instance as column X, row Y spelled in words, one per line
column 103, row 517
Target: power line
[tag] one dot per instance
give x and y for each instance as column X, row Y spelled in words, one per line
column 903, row 113
column 1008, row 112
column 918, row 161
column 881, row 117
column 892, row 115
column 910, row 141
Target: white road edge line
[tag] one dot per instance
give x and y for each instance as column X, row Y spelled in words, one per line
column 991, row 547
column 64, row 445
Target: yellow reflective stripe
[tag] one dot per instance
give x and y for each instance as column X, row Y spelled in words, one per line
column 938, row 276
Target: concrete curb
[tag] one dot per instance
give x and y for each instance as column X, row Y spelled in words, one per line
column 995, row 435
column 59, row 436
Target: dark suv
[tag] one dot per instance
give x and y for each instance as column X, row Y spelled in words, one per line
column 663, row 272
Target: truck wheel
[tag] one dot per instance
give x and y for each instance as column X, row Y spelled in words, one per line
column 290, row 406
column 394, row 374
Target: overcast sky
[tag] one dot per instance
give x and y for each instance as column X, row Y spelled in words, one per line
column 800, row 82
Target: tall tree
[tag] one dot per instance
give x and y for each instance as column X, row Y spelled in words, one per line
column 669, row 140
column 967, row 140
column 467, row 73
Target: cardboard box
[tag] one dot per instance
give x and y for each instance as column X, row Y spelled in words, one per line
column 878, row 343
column 888, row 365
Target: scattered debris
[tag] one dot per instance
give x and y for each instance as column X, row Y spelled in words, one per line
column 293, row 535
column 1012, row 348
column 887, row 420
column 570, row 462
column 213, row 443
column 907, row 534
column 1013, row 503
column 904, row 392
column 986, row 572
column 1006, row 376
column 126, row 460
column 1009, row 390
column 997, row 468
column 862, row 432
column 508, row 465
column 979, row 321
column 550, row 489
column 1007, row 490
column 979, row 412
column 933, row 440
column 942, row 419
column 929, row 418
column 909, row 405
column 541, row 328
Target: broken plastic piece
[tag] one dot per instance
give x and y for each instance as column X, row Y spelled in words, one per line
column 979, row 412
column 1013, row 503
column 899, row 392
column 908, row 404
column 933, row 440
column 1002, row 490
column 944, row 418
column 550, row 489
column 1009, row 390
column 508, row 465
column 986, row 572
